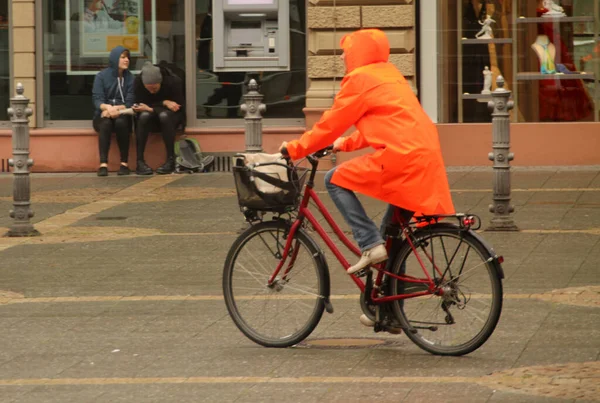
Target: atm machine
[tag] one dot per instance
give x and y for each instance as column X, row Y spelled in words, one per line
column 251, row 35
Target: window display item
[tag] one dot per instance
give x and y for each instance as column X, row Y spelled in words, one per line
column 554, row 10
column 563, row 100
column 487, row 81
column 486, row 29
column 562, row 69
column 546, row 53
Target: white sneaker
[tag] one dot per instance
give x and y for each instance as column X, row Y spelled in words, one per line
column 374, row 255
column 364, row 319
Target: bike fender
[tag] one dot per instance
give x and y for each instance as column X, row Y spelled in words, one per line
column 320, row 256
column 490, row 250
column 323, row 265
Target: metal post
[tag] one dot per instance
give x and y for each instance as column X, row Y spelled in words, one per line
column 19, row 113
column 499, row 106
column 253, row 108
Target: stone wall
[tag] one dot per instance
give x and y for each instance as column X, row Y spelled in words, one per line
column 329, row 21
column 23, row 37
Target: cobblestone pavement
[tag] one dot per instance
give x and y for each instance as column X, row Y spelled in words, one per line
column 120, row 300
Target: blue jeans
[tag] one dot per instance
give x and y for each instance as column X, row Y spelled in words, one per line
column 363, row 228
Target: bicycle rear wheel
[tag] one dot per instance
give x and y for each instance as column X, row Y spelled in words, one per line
column 287, row 311
column 461, row 319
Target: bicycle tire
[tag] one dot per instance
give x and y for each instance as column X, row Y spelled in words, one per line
column 239, row 305
column 422, row 325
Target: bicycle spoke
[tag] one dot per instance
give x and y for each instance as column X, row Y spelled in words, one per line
column 299, row 289
column 471, row 270
column 295, row 272
column 277, row 243
column 251, row 275
column 463, row 315
column 462, row 266
column 283, row 311
column 259, row 264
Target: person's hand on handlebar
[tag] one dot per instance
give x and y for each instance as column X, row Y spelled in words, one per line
column 283, row 149
column 337, row 144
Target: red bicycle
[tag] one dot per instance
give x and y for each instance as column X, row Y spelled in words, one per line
column 442, row 283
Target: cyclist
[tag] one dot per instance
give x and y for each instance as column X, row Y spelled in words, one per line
column 406, row 169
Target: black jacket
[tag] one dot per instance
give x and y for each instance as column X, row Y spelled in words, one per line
column 171, row 89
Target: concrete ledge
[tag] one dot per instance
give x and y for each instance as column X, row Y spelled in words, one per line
column 534, row 144
column 76, row 150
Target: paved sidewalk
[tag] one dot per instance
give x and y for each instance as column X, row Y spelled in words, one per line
column 120, row 300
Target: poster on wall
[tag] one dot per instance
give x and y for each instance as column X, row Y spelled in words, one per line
column 95, row 27
column 105, row 24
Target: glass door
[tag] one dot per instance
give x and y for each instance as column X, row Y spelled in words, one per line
column 78, row 36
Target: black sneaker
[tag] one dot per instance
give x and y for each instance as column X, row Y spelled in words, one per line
column 103, row 171
column 167, row 168
column 143, row 169
column 123, row 170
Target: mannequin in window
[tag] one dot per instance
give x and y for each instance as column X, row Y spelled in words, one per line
column 546, row 52
column 561, row 100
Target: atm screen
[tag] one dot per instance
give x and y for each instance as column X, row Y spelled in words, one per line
column 249, row 2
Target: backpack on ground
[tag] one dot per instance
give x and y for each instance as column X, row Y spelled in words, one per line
column 189, row 157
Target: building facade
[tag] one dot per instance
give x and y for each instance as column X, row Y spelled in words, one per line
column 55, row 47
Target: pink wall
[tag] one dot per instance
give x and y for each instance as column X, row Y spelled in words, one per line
column 76, row 150
column 532, row 143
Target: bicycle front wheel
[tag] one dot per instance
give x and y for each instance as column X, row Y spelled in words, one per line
column 286, row 311
column 463, row 312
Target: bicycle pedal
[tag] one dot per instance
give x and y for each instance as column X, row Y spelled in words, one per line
column 362, row 272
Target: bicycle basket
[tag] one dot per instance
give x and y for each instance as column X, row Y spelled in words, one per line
column 269, row 187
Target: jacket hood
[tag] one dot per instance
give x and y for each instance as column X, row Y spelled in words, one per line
column 365, row 47
column 115, row 55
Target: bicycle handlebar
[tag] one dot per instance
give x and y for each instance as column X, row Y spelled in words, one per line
column 316, row 155
column 323, row 152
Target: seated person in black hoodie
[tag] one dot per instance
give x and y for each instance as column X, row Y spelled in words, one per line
column 161, row 106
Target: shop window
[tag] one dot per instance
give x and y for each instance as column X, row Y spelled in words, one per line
column 219, row 95
column 4, row 61
column 548, row 52
column 79, row 34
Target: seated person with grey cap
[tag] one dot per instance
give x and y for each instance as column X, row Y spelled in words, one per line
column 161, row 105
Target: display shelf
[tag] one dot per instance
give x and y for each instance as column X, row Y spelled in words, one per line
column 531, row 75
column 469, row 41
column 521, row 71
column 477, row 96
column 528, row 20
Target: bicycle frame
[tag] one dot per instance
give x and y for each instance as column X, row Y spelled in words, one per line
column 305, row 214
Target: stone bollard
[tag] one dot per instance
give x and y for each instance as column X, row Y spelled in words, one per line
column 252, row 107
column 19, row 113
column 501, row 207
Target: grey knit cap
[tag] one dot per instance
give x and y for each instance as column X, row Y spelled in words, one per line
column 151, row 74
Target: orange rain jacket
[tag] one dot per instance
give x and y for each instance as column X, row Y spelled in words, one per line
column 406, row 169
